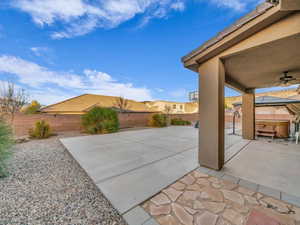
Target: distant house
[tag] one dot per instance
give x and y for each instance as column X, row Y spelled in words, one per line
column 173, row 107
column 83, row 103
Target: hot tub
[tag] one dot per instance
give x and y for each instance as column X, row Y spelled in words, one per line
column 282, row 127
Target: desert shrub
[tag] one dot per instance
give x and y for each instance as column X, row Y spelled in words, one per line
column 158, row 120
column 33, row 108
column 41, row 130
column 180, row 122
column 100, row 121
column 6, row 142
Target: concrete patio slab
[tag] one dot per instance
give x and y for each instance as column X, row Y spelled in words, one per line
column 269, row 164
column 130, row 167
column 136, row 186
column 137, row 216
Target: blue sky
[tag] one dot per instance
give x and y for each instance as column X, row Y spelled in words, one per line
column 59, row 49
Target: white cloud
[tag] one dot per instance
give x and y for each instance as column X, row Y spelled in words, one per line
column 179, row 6
column 237, row 5
column 39, row 51
column 39, row 78
column 49, row 11
column 80, row 17
column 234, row 4
column 51, row 96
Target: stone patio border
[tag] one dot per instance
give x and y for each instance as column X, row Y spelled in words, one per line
column 138, row 216
column 280, row 195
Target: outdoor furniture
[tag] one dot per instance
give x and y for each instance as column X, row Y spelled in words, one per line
column 281, row 128
column 266, row 130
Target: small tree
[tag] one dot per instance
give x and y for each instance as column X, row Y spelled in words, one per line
column 12, row 99
column 33, row 108
column 122, row 104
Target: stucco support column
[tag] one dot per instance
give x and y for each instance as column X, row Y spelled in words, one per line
column 248, row 119
column 211, row 108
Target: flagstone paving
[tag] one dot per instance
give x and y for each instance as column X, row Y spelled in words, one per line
column 201, row 199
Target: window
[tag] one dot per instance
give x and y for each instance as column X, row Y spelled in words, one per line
column 174, row 106
column 181, row 107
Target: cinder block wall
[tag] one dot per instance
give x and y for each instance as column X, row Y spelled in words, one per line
column 59, row 123
column 62, row 123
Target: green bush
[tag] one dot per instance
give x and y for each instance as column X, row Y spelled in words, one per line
column 41, row 130
column 180, row 122
column 6, row 142
column 158, row 120
column 100, row 121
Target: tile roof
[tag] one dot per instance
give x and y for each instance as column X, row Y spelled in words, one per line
column 83, row 103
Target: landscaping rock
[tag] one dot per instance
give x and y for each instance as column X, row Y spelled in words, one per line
column 160, row 199
column 212, row 194
column 198, row 174
column 172, row 193
column 214, row 207
column 159, row 210
column 206, row 218
column 277, row 205
column 233, row 217
column 183, row 216
column 178, row 186
column 233, row 196
column 188, row 180
column 246, row 191
column 46, row 186
column 168, row 220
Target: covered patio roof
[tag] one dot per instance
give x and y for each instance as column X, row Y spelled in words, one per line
column 255, row 52
column 271, row 101
column 266, row 40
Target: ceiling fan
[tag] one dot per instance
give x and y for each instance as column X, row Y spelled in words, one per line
column 286, row 79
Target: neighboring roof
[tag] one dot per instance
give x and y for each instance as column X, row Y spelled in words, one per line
column 83, row 103
column 271, row 101
column 260, row 9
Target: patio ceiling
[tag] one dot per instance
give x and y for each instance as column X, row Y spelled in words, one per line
column 262, row 66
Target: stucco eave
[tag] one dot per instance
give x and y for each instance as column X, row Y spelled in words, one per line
column 267, row 15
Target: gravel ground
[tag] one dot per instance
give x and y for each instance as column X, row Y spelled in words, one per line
column 46, row 186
